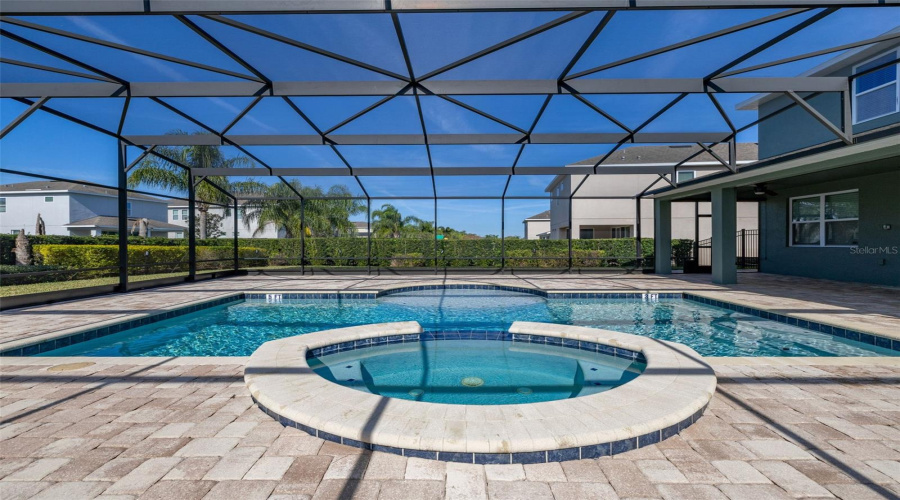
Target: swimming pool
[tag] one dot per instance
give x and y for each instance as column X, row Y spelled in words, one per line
column 476, row 372
column 238, row 328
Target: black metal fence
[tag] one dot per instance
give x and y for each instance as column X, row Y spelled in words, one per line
column 747, row 253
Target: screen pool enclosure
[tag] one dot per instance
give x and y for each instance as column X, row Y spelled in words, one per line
column 441, row 105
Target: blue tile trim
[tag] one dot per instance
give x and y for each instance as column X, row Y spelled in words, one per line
column 533, row 291
column 529, row 457
column 617, row 352
column 254, row 296
column 420, row 288
column 95, row 333
column 844, row 333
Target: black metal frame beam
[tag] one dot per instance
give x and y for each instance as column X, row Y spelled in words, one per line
column 122, row 47
column 161, row 7
column 691, row 41
column 411, row 85
column 426, row 139
column 25, row 114
column 434, row 87
column 427, row 171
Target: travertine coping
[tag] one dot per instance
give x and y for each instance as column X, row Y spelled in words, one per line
column 674, row 388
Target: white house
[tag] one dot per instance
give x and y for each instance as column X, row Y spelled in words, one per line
column 178, row 217
column 76, row 209
column 537, row 227
column 362, row 228
column 616, row 218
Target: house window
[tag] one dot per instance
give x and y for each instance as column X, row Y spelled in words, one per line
column 184, row 214
column 875, row 94
column 684, row 175
column 174, row 214
column 128, row 208
column 621, row 232
column 825, row 220
column 2, row 205
column 14, row 231
column 586, row 233
column 48, row 199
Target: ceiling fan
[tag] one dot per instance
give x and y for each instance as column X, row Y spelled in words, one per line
column 761, row 190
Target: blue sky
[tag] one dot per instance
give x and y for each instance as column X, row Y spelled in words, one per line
column 46, row 144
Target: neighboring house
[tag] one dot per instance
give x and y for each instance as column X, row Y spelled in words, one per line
column 178, row 216
column 537, row 227
column 616, row 218
column 75, row 209
column 362, row 228
column 828, row 210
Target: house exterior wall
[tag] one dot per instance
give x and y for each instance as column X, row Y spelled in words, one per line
column 874, row 260
column 67, row 207
column 604, row 214
column 270, row 230
column 535, row 227
column 83, row 206
column 559, row 209
column 795, row 129
column 22, row 210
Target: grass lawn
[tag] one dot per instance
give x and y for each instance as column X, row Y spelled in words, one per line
column 12, row 290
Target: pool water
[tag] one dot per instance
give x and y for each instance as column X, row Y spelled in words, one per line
column 476, row 372
column 239, row 328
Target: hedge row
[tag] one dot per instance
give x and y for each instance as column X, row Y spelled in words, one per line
column 142, row 259
column 8, row 242
column 102, row 251
column 461, row 253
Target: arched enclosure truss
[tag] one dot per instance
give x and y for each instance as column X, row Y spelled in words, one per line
column 442, row 106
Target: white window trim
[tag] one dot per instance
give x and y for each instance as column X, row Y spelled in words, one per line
column 3, row 200
column 128, row 209
column 822, row 220
column 693, row 175
column 896, row 82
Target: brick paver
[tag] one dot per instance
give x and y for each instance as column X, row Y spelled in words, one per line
column 187, row 428
column 740, row 449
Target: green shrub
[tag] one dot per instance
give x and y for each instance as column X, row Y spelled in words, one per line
column 408, row 260
column 142, row 259
column 345, row 251
column 522, row 257
column 681, row 251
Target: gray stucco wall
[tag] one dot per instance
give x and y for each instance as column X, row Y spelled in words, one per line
column 875, row 260
column 795, row 129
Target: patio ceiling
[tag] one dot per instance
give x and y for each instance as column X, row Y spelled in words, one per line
column 479, row 75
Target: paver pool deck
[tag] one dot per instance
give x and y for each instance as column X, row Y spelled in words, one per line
column 186, row 427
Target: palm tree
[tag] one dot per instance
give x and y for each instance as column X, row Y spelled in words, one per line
column 330, row 217
column 154, row 171
column 387, row 221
